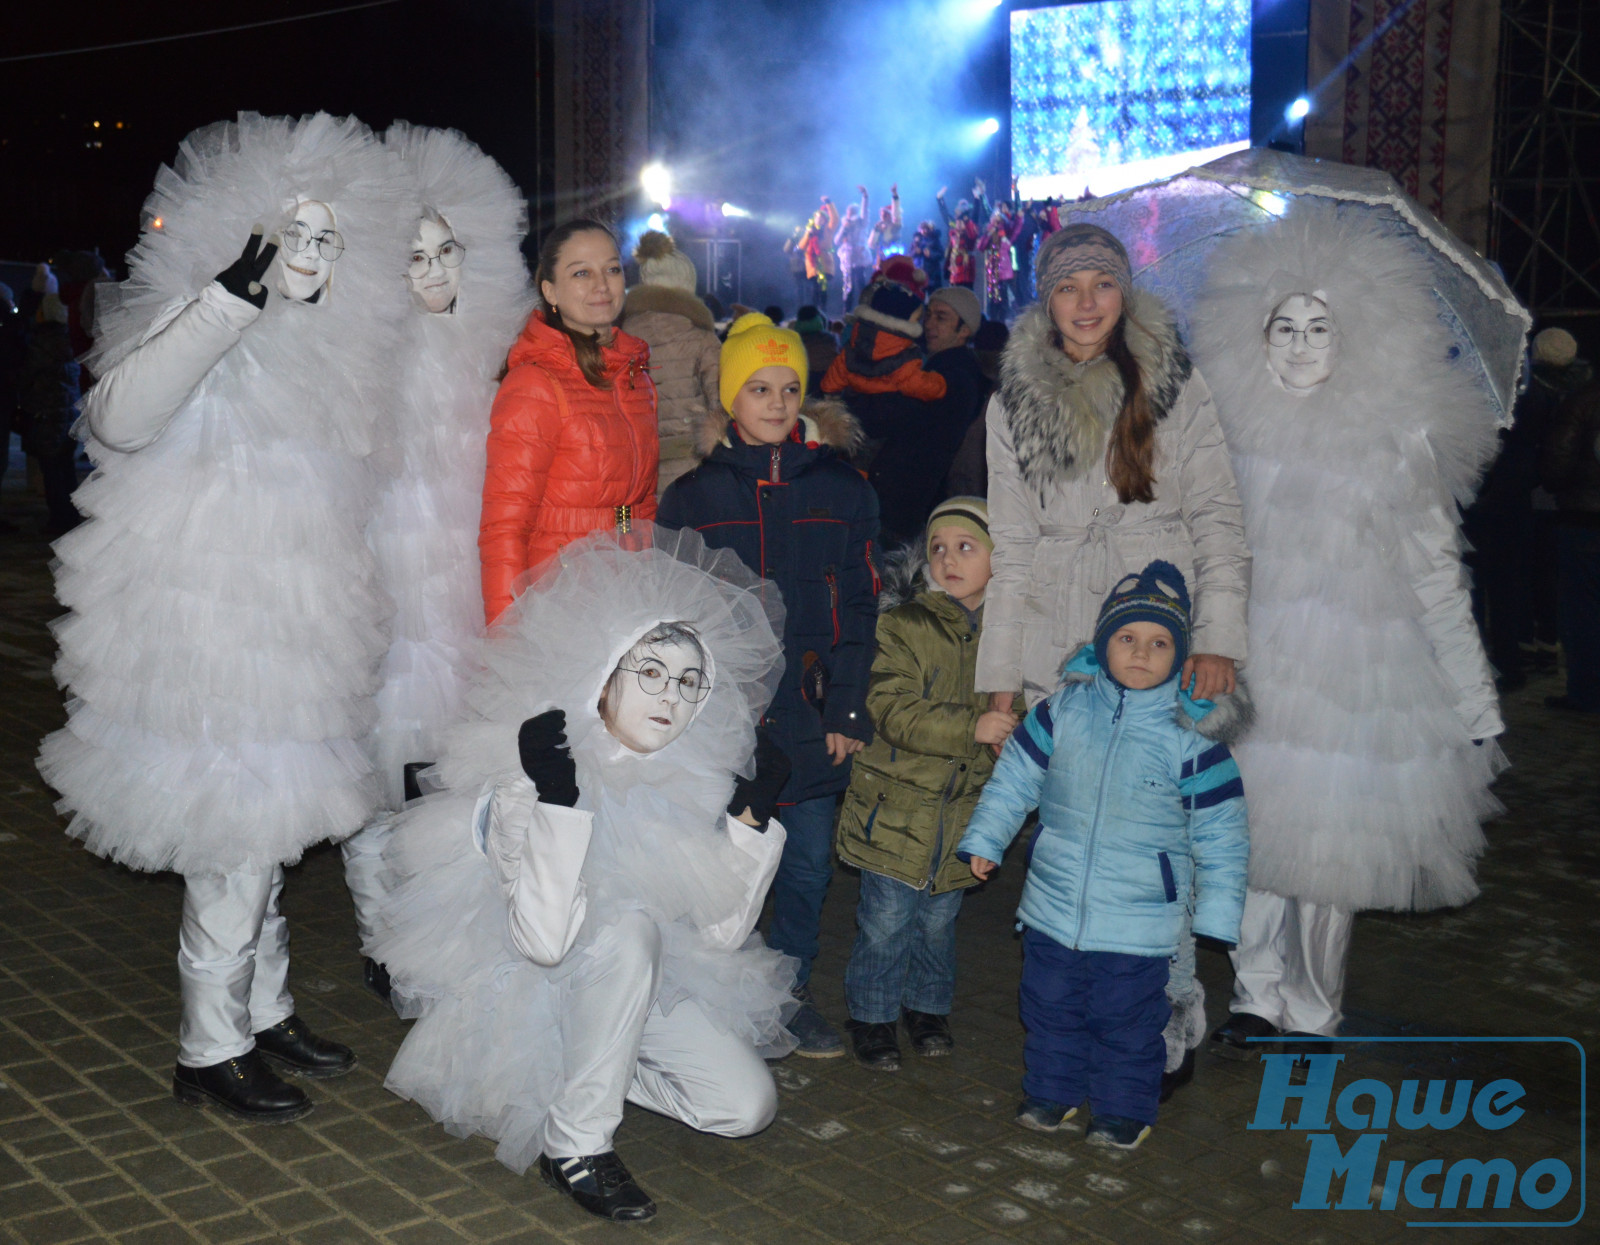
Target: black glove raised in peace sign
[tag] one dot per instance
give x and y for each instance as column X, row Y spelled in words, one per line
column 242, row 278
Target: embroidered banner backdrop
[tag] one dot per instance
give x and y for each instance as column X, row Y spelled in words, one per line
column 602, row 103
column 1407, row 86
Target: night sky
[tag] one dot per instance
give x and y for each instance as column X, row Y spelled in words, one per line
column 66, row 183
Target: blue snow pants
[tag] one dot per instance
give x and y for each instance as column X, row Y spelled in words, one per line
column 1094, row 1021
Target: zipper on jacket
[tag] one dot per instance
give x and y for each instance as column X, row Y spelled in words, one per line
column 1099, row 813
column 877, row 584
column 776, row 469
column 832, row 579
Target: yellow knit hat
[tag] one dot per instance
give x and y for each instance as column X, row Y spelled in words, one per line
column 755, row 342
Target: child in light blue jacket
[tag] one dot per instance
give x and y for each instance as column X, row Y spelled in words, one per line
column 1138, row 808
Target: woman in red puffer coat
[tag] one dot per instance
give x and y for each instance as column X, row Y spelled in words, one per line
column 572, row 436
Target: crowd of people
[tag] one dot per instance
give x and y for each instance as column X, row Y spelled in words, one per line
column 593, row 625
column 988, row 249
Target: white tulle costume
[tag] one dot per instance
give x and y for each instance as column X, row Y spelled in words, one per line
column 226, row 626
column 510, row 923
column 425, row 530
column 1366, row 788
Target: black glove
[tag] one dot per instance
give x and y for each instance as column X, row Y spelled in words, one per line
column 242, row 278
column 760, row 794
column 546, row 759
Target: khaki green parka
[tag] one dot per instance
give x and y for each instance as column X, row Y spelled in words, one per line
column 916, row 784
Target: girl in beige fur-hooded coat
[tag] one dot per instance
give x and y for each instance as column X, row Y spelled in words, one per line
column 1064, row 532
column 664, row 311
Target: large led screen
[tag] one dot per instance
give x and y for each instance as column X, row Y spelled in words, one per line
column 1112, row 94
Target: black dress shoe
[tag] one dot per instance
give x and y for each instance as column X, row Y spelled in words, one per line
column 1232, row 1040
column 875, row 1045
column 929, row 1032
column 244, row 1087
column 600, row 1184
column 375, row 977
column 1172, row 1082
column 292, row 1045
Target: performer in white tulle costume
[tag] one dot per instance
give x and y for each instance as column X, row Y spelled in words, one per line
column 226, row 626
column 1355, row 439
column 570, row 920
column 470, row 294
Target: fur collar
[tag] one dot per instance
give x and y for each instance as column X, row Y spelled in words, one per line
column 1227, row 720
column 670, row 299
column 1060, row 411
column 823, row 421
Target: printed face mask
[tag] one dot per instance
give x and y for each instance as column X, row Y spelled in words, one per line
column 656, row 693
column 1302, row 342
column 434, row 272
column 309, row 245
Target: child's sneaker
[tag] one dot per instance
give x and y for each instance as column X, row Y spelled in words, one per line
column 1042, row 1115
column 816, row 1038
column 1116, row 1131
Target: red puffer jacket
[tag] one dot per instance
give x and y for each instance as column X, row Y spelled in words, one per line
column 563, row 455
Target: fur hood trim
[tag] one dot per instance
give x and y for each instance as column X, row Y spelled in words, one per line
column 823, row 421
column 1060, row 411
column 1227, row 721
column 904, row 576
column 906, row 328
column 669, row 299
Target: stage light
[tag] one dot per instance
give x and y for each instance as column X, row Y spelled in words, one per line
column 989, row 127
column 657, row 222
column 729, row 209
column 657, row 184
column 1299, row 110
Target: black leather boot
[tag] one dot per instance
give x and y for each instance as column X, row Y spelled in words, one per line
column 875, row 1045
column 929, row 1032
column 600, row 1184
column 293, row 1046
column 244, row 1087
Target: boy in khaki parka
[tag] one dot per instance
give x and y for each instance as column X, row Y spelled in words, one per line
column 913, row 789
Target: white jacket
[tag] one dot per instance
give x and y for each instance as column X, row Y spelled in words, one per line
column 537, row 851
column 1062, row 539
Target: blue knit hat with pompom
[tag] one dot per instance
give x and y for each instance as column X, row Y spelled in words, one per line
column 1156, row 594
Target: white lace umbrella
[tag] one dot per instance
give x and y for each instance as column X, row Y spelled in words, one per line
column 1170, row 226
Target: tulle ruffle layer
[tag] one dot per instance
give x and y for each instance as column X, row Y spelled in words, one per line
column 485, row 1055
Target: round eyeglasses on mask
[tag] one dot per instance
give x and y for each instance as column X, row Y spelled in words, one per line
column 298, row 237
column 693, row 685
column 450, row 254
column 1282, row 333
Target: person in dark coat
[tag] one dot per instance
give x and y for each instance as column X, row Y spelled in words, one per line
column 1500, row 525
column 920, row 428
column 1569, row 466
column 774, row 488
column 48, row 396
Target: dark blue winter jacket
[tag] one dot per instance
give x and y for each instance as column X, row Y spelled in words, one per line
column 798, row 515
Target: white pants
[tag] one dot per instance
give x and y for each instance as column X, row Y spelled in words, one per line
column 1289, row 965
column 233, row 965
column 363, row 866
column 617, row 1045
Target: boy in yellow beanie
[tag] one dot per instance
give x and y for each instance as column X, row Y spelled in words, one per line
column 775, row 488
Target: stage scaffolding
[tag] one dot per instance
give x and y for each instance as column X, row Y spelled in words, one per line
column 1544, row 217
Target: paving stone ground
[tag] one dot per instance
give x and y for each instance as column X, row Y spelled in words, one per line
column 92, row 1146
